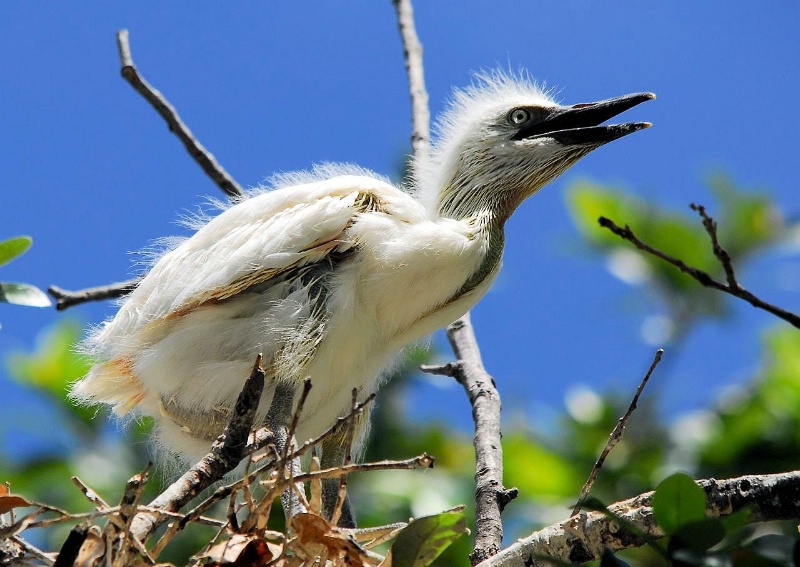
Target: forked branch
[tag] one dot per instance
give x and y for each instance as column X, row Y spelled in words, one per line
column 732, row 287
column 491, row 496
column 204, row 158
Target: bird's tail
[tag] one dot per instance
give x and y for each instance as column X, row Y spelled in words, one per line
column 112, row 383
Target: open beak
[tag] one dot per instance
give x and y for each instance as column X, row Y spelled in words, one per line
column 580, row 124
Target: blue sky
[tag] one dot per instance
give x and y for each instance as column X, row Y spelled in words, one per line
column 90, row 171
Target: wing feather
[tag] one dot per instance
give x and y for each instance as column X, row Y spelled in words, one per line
column 248, row 245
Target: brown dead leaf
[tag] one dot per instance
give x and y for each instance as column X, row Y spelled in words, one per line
column 244, row 550
column 93, row 548
column 10, row 501
column 315, row 535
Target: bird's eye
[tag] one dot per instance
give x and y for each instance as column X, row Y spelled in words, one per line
column 519, row 116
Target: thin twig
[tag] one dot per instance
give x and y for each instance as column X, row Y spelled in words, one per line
column 201, row 155
column 90, row 494
column 128, row 508
column 616, row 434
column 301, row 402
column 341, row 495
column 112, row 510
column 134, row 488
column 412, row 51
column 422, row 461
column 295, row 495
column 336, row 427
column 722, row 255
column 702, row 277
column 65, row 298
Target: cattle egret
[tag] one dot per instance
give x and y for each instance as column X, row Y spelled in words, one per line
column 331, row 273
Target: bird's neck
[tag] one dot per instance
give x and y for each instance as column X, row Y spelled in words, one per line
column 493, row 233
column 471, row 196
column 486, row 208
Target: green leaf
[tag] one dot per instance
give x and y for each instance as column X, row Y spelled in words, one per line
column 678, row 500
column 748, row 220
column 13, row 247
column 699, row 536
column 54, row 365
column 23, row 294
column 424, row 539
column 589, row 201
column 557, row 476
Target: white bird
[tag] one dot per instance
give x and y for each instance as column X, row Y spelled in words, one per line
column 331, row 273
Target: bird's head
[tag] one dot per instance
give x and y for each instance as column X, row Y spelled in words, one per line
column 503, row 138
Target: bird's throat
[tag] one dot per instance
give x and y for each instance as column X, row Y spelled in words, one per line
column 494, row 234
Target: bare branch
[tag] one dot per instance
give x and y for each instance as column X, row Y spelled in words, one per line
column 412, row 51
column 226, row 452
column 90, row 494
column 490, row 494
column 582, row 538
column 65, row 299
column 128, row 509
column 201, row 155
column 616, row 434
column 702, row 277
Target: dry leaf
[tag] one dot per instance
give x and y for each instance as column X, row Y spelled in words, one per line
column 315, row 535
column 10, row 501
column 93, row 548
column 244, row 550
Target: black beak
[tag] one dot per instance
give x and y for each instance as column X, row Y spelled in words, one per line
column 580, row 124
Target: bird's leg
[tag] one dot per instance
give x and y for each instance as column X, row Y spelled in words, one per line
column 278, row 419
column 333, row 453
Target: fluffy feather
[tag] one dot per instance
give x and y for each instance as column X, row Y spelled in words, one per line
column 328, row 273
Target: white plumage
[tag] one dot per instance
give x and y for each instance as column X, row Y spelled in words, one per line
column 331, row 273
